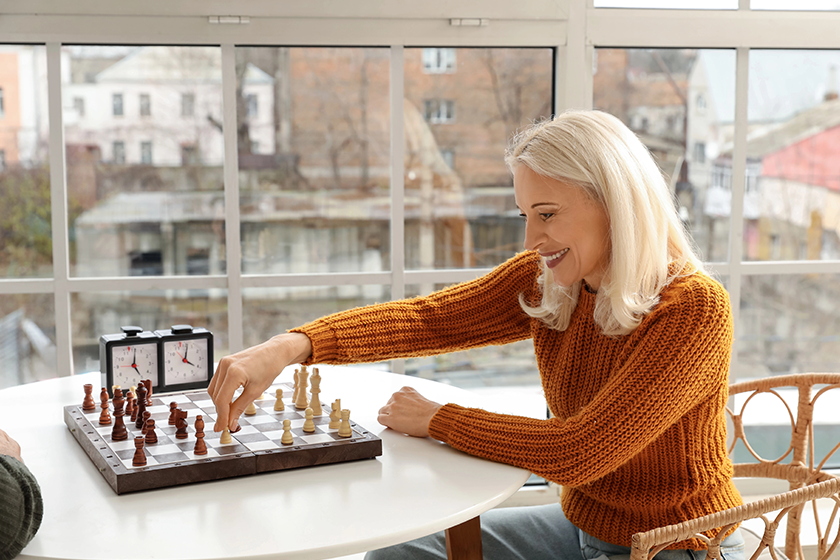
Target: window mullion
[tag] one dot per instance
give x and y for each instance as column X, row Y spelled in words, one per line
column 397, row 182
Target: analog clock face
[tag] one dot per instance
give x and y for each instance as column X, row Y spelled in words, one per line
column 134, row 363
column 185, row 361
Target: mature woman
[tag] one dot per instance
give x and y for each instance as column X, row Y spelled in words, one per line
column 21, row 505
column 631, row 336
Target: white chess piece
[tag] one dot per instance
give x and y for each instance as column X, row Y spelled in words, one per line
column 344, row 430
column 251, row 409
column 334, row 417
column 225, row 439
column 309, row 425
column 278, row 404
column 287, row 438
column 315, row 401
column 302, row 402
column 295, row 392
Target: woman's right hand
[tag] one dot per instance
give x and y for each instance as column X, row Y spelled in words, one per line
column 9, row 447
column 254, row 369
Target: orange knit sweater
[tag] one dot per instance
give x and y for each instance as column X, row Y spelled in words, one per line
column 638, row 438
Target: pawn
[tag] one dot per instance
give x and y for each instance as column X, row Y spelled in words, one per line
column 200, row 446
column 345, row 430
column 278, row 404
column 149, row 429
column 139, row 455
column 172, row 406
column 287, row 438
column 105, row 415
column 88, row 403
column 251, row 409
column 225, row 439
column 309, row 425
column 334, row 416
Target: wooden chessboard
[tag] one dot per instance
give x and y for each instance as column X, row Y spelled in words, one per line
column 256, row 448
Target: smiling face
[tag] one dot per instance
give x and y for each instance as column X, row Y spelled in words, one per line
column 570, row 230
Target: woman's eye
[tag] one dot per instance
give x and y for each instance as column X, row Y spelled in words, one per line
column 521, row 215
column 546, row 215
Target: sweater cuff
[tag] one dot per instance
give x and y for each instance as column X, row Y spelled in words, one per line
column 444, row 421
column 324, row 345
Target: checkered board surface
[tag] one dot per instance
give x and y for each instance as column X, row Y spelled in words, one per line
column 255, row 448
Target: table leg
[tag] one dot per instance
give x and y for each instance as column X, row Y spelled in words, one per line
column 463, row 542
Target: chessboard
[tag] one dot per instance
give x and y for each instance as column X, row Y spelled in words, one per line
column 255, row 448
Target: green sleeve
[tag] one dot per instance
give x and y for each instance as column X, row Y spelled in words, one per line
column 21, row 507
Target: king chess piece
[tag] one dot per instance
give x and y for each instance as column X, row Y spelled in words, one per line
column 302, row 402
column 315, row 401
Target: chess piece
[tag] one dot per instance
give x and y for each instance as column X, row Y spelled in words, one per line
column 130, row 409
column 302, row 402
column 309, row 425
column 88, row 403
column 344, row 430
column 151, row 436
column 172, row 406
column 295, row 392
column 225, row 439
column 148, row 384
column 334, row 416
column 315, row 401
column 139, row 455
column 278, row 404
column 146, row 416
column 200, row 446
column 181, row 424
column 104, row 416
column 251, row 409
column 287, row 438
column 119, row 432
column 140, row 404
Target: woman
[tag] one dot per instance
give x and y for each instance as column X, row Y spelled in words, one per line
column 632, row 340
column 21, row 505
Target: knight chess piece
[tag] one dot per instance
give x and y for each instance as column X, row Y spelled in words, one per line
column 181, row 424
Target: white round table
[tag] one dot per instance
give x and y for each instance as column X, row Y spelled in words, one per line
column 416, row 487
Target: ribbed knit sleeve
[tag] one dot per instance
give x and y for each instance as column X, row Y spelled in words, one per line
column 675, row 359
column 476, row 313
column 21, row 507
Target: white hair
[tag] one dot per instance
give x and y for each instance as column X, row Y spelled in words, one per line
column 596, row 152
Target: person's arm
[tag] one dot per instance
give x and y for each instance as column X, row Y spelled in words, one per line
column 21, row 505
column 679, row 358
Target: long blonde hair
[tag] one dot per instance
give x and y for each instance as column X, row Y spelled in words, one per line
column 595, row 151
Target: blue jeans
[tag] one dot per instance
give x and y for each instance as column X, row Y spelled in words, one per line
column 539, row 533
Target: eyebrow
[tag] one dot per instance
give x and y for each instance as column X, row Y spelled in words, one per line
column 536, row 204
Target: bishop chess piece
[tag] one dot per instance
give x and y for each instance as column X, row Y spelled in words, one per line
column 200, row 446
column 119, row 432
column 315, row 401
column 302, row 402
column 140, row 404
column 344, row 430
column 287, row 438
column 105, row 415
column 139, row 455
column 309, row 425
column 151, row 435
column 278, row 404
column 181, row 424
column 88, row 403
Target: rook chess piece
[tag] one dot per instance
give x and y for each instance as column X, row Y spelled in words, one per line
column 151, row 436
column 181, row 424
column 139, row 455
column 200, row 446
column 225, row 439
column 104, row 416
column 334, row 416
column 287, row 438
column 251, row 409
column 345, row 430
column 88, row 403
column 119, row 433
column 172, row 406
column 302, row 402
column 309, row 425
column 278, row 404
column 140, row 405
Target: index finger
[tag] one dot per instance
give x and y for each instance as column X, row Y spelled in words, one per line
column 222, row 400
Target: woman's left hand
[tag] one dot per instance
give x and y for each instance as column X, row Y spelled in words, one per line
column 408, row 412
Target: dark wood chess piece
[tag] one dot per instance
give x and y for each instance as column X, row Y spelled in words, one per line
column 88, row 403
column 105, row 415
column 151, row 436
column 181, row 424
column 146, row 416
column 140, row 404
column 139, row 455
column 148, row 384
column 172, row 406
column 200, row 446
column 119, row 433
column 130, row 409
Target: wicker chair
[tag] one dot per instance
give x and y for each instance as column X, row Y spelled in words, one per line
column 807, row 481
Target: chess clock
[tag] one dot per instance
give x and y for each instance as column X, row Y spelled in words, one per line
column 127, row 358
column 186, row 357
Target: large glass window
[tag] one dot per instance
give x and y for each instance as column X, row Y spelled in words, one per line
column 136, row 206
column 27, row 338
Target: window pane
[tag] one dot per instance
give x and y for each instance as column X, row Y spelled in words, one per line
column 95, row 314
column 145, row 180
column 461, row 108
column 25, row 215
column 27, row 338
column 670, row 4
column 792, row 196
column 788, row 324
column 681, row 104
column 824, row 5
column 314, row 156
